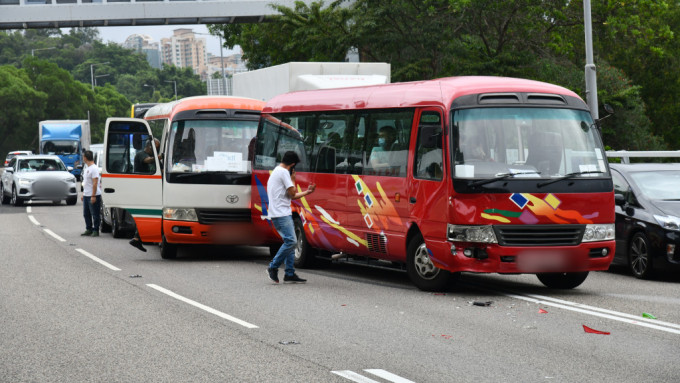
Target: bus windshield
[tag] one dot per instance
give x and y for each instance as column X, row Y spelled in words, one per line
column 526, row 142
column 198, row 146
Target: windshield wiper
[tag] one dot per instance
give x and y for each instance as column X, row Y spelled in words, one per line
column 568, row 176
column 501, row 176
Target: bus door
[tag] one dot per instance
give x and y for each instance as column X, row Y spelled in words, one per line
column 428, row 194
column 377, row 200
column 133, row 179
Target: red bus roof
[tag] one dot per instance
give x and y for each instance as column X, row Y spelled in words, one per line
column 168, row 110
column 439, row 92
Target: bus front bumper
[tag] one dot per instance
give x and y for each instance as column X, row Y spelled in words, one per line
column 474, row 257
column 232, row 233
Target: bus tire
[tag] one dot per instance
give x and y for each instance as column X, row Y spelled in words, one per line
column 422, row 272
column 168, row 250
column 304, row 254
column 563, row 281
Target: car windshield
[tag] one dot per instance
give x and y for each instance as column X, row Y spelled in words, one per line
column 210, row 146
column 658, row 184
column 527, row 142
column 40, row 165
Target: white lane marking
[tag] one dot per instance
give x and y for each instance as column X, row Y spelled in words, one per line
column 35, row 221
column 202, row 306
column 28, row 209
column 624, row 315
column 353, row 376
column 53, row 234
column 92, row 257
column 388, row 376
column 595, row 313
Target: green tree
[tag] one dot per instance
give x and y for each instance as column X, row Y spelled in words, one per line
column 22, row 108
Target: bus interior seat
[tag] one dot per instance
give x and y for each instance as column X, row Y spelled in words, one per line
column 545, row 152
column 325, row 160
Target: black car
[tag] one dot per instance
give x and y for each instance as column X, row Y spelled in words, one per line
column 647, row 216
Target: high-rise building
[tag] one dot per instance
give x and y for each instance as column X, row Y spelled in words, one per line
column 184, row 50
column 143, row 44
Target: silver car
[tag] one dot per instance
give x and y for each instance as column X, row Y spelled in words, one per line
column 37, row 177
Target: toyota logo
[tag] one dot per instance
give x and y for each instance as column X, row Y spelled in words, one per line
column 232, row 198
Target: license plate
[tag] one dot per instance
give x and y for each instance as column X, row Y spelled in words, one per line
column 541, row 261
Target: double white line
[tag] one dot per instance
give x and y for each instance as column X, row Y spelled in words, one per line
column 590, row 310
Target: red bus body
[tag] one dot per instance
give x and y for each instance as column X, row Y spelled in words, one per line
column 380, row 216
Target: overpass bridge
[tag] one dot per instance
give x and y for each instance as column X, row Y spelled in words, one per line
column 25, row 14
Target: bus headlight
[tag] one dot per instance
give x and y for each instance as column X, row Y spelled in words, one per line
column 180, row 214
column 463, row 233
column 598, row 232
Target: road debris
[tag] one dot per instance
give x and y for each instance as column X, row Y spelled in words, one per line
column 593, row 331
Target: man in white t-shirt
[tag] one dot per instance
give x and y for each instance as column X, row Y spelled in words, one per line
column 92, row 195
column 280, row 192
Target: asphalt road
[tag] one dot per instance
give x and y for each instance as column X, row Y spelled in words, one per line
column 80, row 309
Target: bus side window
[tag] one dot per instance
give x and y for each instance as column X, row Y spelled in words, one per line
column 429, row 162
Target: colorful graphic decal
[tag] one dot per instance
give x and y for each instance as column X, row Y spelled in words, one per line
column 547, row 207
column 378, row 213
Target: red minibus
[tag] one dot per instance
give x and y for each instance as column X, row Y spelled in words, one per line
column 461, row 174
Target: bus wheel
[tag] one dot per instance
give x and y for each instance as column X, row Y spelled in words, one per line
column 168, row 250
column 562, row 280
column 304, row 254
column 423, row 273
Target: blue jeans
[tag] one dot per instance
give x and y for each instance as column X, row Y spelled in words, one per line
column 286, row 229
column 91, row 212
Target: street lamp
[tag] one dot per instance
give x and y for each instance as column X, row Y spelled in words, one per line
column 92, row 72
column 95, row 78
column 153, row 89
column 591, row 75
column 174, row 82
column 40, row 49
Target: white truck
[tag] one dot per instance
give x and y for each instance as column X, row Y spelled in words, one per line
column 263, row 84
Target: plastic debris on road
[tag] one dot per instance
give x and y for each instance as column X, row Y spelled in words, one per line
column 479, row 303
column 593, row 331
column 287, row 342
column 135, row 276
column 541, row 311
column 648, row 316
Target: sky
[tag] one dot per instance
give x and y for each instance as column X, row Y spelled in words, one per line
column 157, row 32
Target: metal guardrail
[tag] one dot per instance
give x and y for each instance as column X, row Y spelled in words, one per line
column 626, row 155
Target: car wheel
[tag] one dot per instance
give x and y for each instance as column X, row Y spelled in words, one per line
column 71, row 201
column 304, row 254
column 639, row 257
column 105, row 228
column 422, row 272
column 563, row 281
column 16, row 200
column 3, row 198
column 168, row 250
